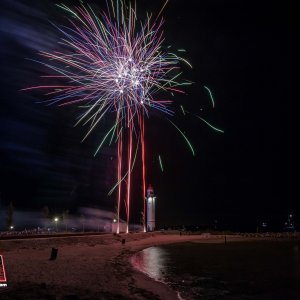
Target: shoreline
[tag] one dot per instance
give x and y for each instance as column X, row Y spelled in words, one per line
column 163, row 289
column 89, row 267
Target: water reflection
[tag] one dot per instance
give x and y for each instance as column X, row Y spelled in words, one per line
column 152, row 261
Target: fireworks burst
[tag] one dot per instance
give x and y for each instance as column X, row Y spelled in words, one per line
column 112, row 65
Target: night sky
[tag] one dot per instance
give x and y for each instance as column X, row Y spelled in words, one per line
column 244, row 51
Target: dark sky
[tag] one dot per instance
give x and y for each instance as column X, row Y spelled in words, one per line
column 244, row 51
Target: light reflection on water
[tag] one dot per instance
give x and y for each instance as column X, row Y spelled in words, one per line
column 152, row 261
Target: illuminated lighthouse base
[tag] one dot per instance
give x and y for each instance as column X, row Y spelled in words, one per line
column 150, row 209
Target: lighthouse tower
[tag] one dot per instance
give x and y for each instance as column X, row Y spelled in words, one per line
column 150, row 209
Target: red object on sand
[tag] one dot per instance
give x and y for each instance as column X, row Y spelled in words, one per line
column 2, row 270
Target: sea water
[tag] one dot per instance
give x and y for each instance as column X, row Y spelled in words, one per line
column 236, row 270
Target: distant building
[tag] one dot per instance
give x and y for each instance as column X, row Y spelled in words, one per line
column 289, row 225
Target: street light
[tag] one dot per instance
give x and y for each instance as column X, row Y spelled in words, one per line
column 11, row 227
column 56, row 221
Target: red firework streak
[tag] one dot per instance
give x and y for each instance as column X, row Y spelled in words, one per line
column 129, row 167
column 120, row 146
column 130, row 147
column 143, row 168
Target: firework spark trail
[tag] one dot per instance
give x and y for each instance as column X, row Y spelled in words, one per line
column 182, row 109
column 109, row 65
column 210, row 125
column 160, row 163
column 185, row 137
column 211, row 96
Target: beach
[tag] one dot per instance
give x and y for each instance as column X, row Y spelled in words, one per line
column 87, row 267
column 90, row 267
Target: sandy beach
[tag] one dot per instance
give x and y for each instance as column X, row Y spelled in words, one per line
column 87, row 267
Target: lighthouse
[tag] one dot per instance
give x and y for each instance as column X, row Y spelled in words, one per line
column 150, row 209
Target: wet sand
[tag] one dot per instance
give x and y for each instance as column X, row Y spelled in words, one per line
column 87, row 267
